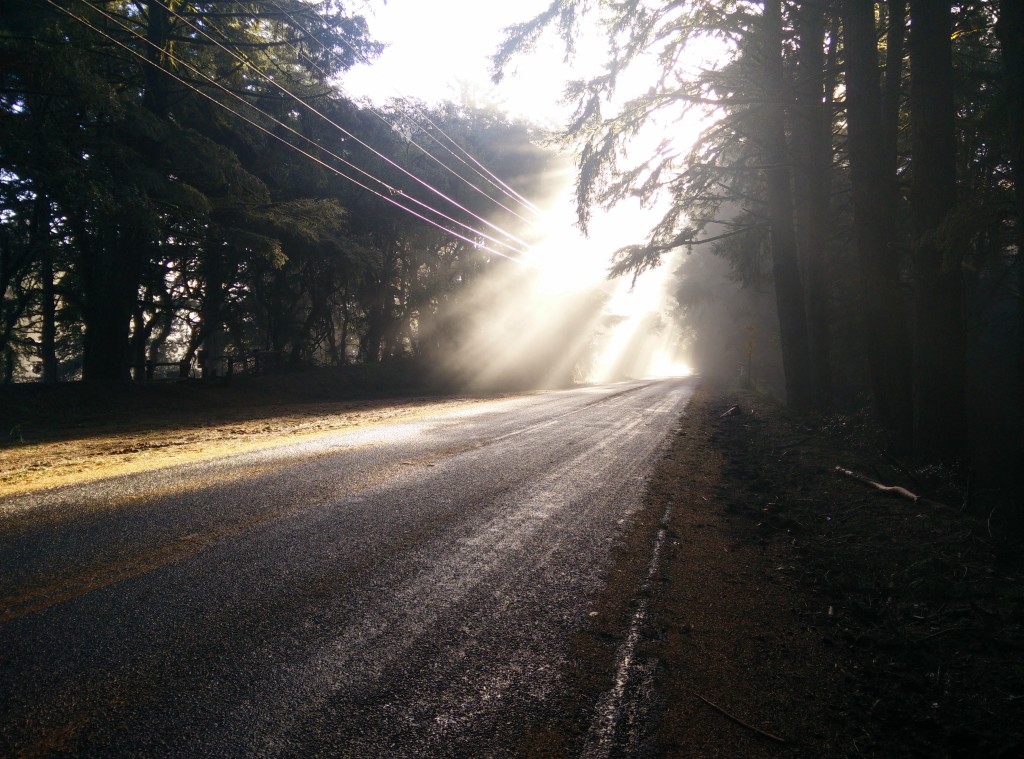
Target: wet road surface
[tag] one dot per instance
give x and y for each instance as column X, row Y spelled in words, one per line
column 401, row 590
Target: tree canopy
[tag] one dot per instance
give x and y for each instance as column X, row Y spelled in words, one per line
column 864, row 155
column 186, row 183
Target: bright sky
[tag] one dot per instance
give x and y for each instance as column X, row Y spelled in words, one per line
column 441, row 50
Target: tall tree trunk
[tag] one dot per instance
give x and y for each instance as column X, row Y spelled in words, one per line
column 140, row 332
column 1010, row 30
column 892, row 89
column 875, row 190
column 376, row 320
column 110, row 276
column 345, row 314
column 48, row 304
column 940, row 418
column 163, row 307
column 211, row 338
column 785, row 264
column 158, row 29
column 812, row 130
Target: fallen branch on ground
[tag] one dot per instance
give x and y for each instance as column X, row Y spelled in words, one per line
column 893, row 489
column 730, row 411
column 738, row 721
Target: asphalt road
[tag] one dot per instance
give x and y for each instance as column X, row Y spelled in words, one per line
column 402, row 590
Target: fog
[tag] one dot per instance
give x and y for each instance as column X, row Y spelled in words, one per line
column 552, row 317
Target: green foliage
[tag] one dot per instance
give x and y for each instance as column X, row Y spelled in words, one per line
column 187, row 169
column 715, row 193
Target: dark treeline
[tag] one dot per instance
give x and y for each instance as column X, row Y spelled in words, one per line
column 862, row 157
column 176, row 188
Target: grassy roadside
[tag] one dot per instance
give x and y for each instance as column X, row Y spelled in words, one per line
column 51, row 436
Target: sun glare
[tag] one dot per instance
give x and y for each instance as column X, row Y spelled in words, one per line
column 559, row 309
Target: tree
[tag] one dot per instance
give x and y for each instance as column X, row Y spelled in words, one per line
column 940, row 423
column 1010, row 30
column 812, row 129
column 789, row 292
column 137, row 151
column 871, row 148
column 742, row 158
column 767, row 158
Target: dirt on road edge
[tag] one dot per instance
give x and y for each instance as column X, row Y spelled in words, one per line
column 148, row 441
column 801, row 613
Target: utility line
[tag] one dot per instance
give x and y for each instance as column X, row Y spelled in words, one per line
column 389, row 188
column 413, row 212
column 508, row 192
column 343, row 130
column 492, row 178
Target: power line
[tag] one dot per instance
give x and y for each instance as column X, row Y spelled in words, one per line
column 390, row 189
column 491, row 177
column 343, row 130
column 508, row 191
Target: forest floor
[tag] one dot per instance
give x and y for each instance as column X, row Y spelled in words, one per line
column 796, row 611
column 800, row 612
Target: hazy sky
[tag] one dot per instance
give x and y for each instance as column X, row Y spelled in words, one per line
column 438, row 48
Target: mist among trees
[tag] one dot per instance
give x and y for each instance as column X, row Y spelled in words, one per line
column 861, row 162
column 187, row 184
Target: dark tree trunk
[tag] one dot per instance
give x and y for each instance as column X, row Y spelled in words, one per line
column 164, row 312
column 158, row 29
column 875, row 190
column 278, row 313
column 141, row 330
column 110, row 278
column 1010, row 31
column 940, row 419
column 48, row 331
column 345, row 318
column 373, row 340
column 812, row 132
column 892, row 89
column 48, row 297
column 785, row 264
column 210, row 336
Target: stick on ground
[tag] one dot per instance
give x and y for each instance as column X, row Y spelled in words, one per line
column 893, row 489
column 738, row 721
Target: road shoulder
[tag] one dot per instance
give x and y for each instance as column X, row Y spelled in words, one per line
column 801, row 613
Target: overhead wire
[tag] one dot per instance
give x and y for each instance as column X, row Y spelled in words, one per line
column 506, row 190
column 355, row 52
column 389, row 188
column 494, row 180
column 327, row 119
column 491, row 177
